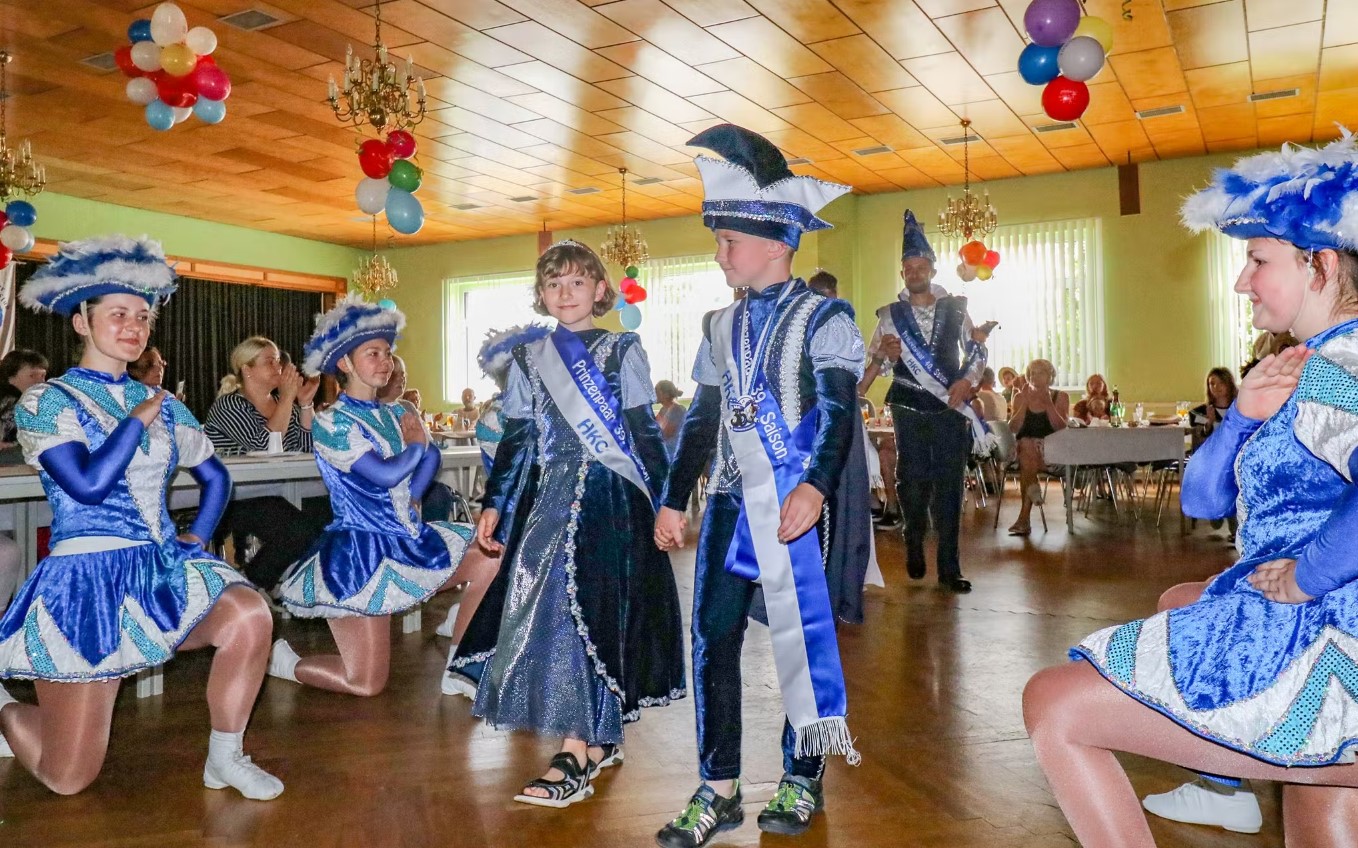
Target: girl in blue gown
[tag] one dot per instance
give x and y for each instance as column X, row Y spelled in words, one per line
column 120, row 591
column 377, row 557
column 1258, row 677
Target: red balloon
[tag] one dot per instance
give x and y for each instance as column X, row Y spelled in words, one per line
column 992, row 258
column 638, row 295
column 177, row 91
column 401, row 144
column 123, row 58
column 5, row 256
column 374, row 158
column 4, row 219
column 211, row 81
column 1065, row 99
column 626, row 284
column 972, row 252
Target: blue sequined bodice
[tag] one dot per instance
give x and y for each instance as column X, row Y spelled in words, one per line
column 347, row 430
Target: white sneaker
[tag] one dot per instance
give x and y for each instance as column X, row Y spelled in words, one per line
column 455, row 684
column 446, row 628
column 283, row 661
column 247, row 778
column 1192, row 804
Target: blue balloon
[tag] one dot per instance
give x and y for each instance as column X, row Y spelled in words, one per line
column 159, row 115
column 404, row 212
column 620, row 304
column 21, row 213
column 387, row 303
column 139, row 30
column 1038, row 65
column 210, row 111
column 631, row 317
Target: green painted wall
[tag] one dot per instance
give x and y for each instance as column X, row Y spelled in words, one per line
column 65, row 218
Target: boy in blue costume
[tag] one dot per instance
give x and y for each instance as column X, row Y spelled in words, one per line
column 776, row 400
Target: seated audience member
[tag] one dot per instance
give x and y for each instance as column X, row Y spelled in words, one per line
column 671, row 415
column 993, row 405
column 469, row 411
column 824, row 282
column 1096, row 402
column 1007, row 377
column 241, row 420
column 149, row 369
column 1038, row 411
column 19, row 370
column 1265, row 344
column 1220, row 395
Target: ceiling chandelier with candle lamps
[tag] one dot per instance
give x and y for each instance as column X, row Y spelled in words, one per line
column 624, row 245
column 375, row 92
column 967, row 214
column 19, row 174
column 374, row 274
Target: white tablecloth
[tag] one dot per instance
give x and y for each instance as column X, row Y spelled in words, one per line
column 1075, row 446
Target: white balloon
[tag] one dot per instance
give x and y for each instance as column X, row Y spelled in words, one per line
column 371, row 194
column 146, row 56
column 201, row 41
column 182, row 113
column 16, row 238
column 141, row 91
column 1081, row 58
column 168, row 25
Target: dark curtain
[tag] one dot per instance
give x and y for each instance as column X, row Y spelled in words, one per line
column 195, row 331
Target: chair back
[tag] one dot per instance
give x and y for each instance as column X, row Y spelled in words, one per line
column 1004, row 437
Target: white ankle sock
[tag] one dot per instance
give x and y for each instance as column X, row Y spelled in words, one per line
column 227, row 765
column 283, row 661
column 223, row 746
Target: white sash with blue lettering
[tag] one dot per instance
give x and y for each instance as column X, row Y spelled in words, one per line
column 772, row 459
column 920, row 363
column 582, row 394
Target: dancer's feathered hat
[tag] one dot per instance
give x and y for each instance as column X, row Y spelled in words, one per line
column 497, row 350
column 913, row 241
column 350, row 323
column 1303, row 195
column 751, row 190
column 94, row 267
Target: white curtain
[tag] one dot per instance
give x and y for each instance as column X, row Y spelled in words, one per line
column 679, row 291
column 1232, row 317
column 8, row 301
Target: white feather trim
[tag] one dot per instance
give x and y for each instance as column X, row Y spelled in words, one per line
column 336, row 328
column 724, row 180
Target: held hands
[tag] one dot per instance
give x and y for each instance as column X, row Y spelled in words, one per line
column 412, row 430
column 800, row 511
column 958, row 393
column 1277, row 579
column 485, row 529
column 1270, row 383
column 670, row 525
column 149, row 409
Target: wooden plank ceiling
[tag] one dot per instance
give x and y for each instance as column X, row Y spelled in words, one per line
column 539, row 99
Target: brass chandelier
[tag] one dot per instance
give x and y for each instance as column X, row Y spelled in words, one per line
column 19, row 174
column 966, row 215
column 375, row 92
column 374, row 274
column 623, row 245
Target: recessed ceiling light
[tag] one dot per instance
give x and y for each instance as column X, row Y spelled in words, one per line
column 250, row 19
column 800, row 160
column 959, row 139
column 1274, row 95
column 1064, row 125
column 585, row 190
column 101, row 61
column 463, row 207
column 872, row 151
column 647, row 181
column 1162, row 112
column 525, row 198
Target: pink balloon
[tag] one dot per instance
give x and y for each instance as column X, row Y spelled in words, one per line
column 212, row 81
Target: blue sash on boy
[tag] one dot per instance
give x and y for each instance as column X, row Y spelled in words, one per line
column 772, row 459
column 582, row 394
column 920, row 363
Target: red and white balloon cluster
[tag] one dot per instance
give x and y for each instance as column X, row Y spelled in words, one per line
column 172, row 72
column 15, row 235
column 1068, row 48
column 392, row 180
column 978, row 261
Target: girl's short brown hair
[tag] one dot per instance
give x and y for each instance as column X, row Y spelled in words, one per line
column 567, row 257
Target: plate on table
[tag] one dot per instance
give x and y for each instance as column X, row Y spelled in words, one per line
column 1163, row 422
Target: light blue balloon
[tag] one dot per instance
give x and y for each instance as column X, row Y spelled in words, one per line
column 404, row 212
column 387, row 303
column 159, row 115
column 139, row 30
column 210, row 111
column 620, row 304
column 631, row 317
column 21, row 213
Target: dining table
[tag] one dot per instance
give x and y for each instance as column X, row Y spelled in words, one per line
column 1075, row 447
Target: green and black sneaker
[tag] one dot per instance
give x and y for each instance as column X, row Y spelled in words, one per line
column 793, row 805
column 707, row 815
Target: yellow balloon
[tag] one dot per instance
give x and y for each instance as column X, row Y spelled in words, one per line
column 1097, row 29
column 983, row 272
column 178, row 60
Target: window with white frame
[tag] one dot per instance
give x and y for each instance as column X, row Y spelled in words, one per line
column 679, row 291
column 474, row 307
column 1046, row 292
column 1232, row 316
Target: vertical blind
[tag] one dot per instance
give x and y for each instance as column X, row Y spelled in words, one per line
column 1232, row 315
column 475, row 306
column 1047, row 294
column 679, row 291
column 195, row 331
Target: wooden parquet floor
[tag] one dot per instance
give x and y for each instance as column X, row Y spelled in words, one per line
column 934, row 686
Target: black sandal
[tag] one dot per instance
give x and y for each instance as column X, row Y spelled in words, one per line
column 575, row 786
column 612, row 756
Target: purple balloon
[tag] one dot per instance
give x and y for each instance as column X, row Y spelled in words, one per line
column 1051, row 23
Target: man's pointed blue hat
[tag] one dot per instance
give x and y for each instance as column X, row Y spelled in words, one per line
column 751, row 189
column 913, row 241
